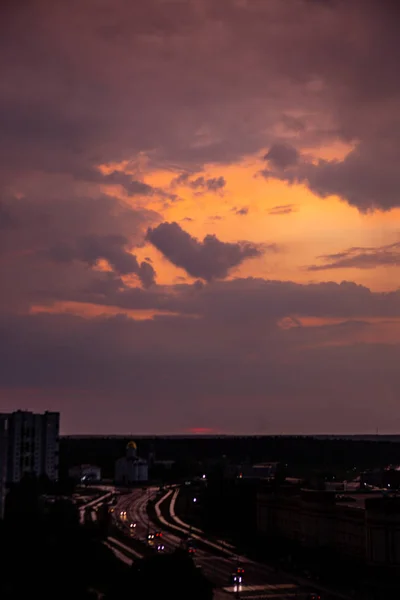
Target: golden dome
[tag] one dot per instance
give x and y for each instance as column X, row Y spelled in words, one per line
column 131, row 445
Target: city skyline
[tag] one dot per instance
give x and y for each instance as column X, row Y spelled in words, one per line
column 200, row 215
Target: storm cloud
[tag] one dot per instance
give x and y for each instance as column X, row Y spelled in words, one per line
column 111, row 248
column 282, row 156
column 208, row 259
column 222, row 348
column 105, row 111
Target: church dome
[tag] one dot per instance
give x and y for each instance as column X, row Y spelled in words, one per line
column 131, row 445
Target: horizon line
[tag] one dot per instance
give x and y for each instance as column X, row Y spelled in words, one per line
column 225, row 435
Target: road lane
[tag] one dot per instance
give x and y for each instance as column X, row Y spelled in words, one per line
column 134, row 504
column 217, row 568
column 260, row 581
column 257, row 575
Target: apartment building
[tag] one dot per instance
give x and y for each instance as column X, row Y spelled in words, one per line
column 32, row 445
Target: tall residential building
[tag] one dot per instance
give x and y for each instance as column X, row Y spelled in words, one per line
column 3, row 461
column 33, row 442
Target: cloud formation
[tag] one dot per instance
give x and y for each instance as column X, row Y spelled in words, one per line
column 282, row 209
column 242, row 212
column 111, row 101
column 282, row 156
column 200, row 184
column 111, row 248
column 134, row 187
column 209, row 259
column 230, row 343
column 255, row 300
column 51, row 243
column 80, row 110
column 357, row 179
column 361, row 258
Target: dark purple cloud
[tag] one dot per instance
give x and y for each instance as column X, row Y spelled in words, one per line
column 261, row 365
column 50, row 244
column 240, row 354
column 109, row 38
column 359, row 178
column 282, row 156
column 258, row 299
column 6, row 220
column 253, row 300
column 201, row 183
column 282, row 209
column 112, row 248
column 35, row 221
column 361, row 258
column 69, row 107
column 133, row 187
column 175, row 87
column 209, row 259
column 242, row 212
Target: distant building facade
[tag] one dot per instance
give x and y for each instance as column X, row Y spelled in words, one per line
column 32, row 445
column 257, row 471
column 382, row 478
column 363, row 528
column 130, row 468
column 3, row 460
column 85, row 473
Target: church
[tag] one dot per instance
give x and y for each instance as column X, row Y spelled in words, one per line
column 131, row 468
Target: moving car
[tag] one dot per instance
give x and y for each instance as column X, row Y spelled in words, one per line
column 132, row 529
column 190, row 546
column 160, row 548
column 238, row 575
column 314, row 597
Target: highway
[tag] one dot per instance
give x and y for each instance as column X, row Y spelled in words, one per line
column 134, row 505
column 95, row 503
column 88, row 510
column 216, row 558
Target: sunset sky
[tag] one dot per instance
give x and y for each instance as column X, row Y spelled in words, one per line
column 200, row 214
